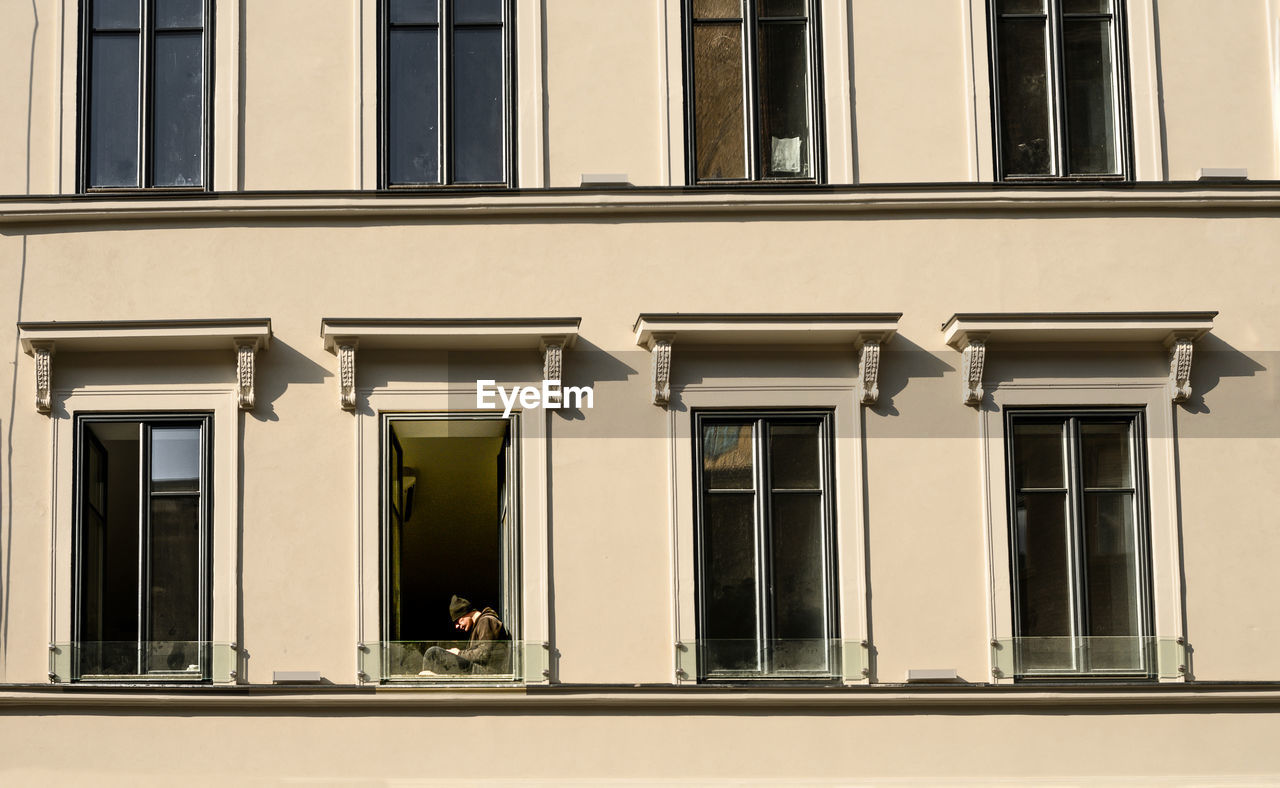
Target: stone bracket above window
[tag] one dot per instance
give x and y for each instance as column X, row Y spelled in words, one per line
column 550, row 336
column 246, row 337
column 974, row 333
column 863, row 333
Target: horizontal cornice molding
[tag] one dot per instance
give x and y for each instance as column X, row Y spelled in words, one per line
column 126, row 335
column 724, row 329
column 994, row 700
column 362, row 206
column 1012, row 328
column 527, row 333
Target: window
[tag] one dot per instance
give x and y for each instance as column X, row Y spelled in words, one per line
column 145, row 94
column 1082, row 594
column 752, row 90
column 446, row 102
column 142, row 549
column 766, row 603
column 449, row 528
column 1060, row 100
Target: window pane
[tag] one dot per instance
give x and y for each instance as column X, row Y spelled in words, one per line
column 1086, row 6
column 784, row 99
column 1113, row 563
column 799, row 589
column 175, row 459
column 1091, row 125
column 727, row 456
column 1044, row 565
column 477, row 130
column 413, row 140
column 794, row 458
column 728, row 586
column 719, row 115
column 413, row 12
column 1105, row 455
column 470, row 11
column 1022, row 6
column 116, row 14
column 179, row 13
column 113, row 111
column 174, row 582
column 784, row 7
column 1038, row 456
column 1024, row 98
column 178, row 122
column 717, row 9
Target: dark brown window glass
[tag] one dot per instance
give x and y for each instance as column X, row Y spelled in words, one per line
column 752, row 90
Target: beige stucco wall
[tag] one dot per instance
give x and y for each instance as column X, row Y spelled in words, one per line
column 605, row 96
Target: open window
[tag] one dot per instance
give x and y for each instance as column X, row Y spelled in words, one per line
column 142, row 573
column 449, row 527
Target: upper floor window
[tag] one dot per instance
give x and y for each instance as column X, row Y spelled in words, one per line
column 1060, row 100
column 751, row 90
column 145, row 94
column 446, row 92
column 1082, row 593
column 766, row 596
column 142, row 548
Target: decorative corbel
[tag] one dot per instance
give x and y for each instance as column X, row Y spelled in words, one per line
column 42, row 352
column 346, row 349
column 971, row 363
column 1180, row 368
column 660, row 350
column 869, row 372
column 553, row 358
column 246, row 354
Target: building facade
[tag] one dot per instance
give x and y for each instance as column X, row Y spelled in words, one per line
column 818, row 391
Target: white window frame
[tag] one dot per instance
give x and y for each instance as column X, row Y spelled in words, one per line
column 219, row 401
column 532, row 663
column 848, row 531
column 1151, row 395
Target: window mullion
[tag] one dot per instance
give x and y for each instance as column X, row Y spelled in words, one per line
column 444, row 89
column 144, row 501
column 1079, row 579
column 751, row 86
column 763, row 565
column 1057, row 77
column 146, row 43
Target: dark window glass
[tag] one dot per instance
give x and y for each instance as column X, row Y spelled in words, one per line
column 752, row 90
column 1058, row 88
column 113, row 111
column 477, row 99
column 764, row 538
column 1080, row 542
column 445, row 73
column 160, row 143
column 413, row 98
column 141, row 550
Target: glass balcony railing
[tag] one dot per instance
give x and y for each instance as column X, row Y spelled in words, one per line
column 449, row 661
column 146, row 661
column 818, row 659
column 1120, row 657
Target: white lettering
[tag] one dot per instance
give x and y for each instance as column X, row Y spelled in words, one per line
column 551, row 395
column 582, row 393
column 483, row 395
column 508, row 404
column 529, row 397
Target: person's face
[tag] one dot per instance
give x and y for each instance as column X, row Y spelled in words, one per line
column 464, row 624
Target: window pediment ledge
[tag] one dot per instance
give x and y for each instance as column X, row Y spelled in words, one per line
column 41, row 340
column 972, row 333
column 342, row 336
column 863, row 332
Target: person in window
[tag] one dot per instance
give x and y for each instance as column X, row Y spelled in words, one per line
column 488, row 650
